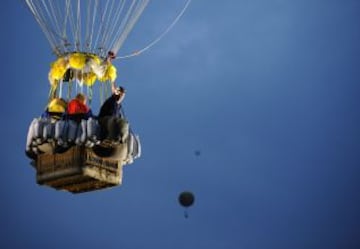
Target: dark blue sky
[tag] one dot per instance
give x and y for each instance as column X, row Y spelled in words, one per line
column 267, row 90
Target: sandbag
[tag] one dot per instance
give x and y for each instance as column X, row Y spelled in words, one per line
column 81, row 133
column 83, row 126
column 137, row 147
column 124, row 129
column 30, row 135
column 48, row 130
column 71, row 131
column 93, row 129
column 60, row 129
column 38, row 128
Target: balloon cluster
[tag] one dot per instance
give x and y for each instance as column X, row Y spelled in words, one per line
column 85, row 67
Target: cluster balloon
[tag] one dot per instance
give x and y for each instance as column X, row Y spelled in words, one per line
column 186, row 199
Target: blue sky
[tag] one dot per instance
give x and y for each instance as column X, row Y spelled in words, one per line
column 268, row 91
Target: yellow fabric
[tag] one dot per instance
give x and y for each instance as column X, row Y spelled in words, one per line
column 110, row 74
column 77, row 60
column 57, row 105
column 95, row 58
column 58, row 69
column 89, row 78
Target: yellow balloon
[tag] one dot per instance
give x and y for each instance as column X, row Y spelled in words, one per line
column 110, row 74
column 89, row 78
column 77, row 60
column 58, row 68
column 95, row 58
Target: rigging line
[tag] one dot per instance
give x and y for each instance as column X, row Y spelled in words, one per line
column 72, row 24
column 55, row 22
column 118, row 12
column 78, row 28
column 58, row 15
column 61, row 88
column 130, row 25
column 53, row 31
column 151, row 44
column 40, row 21
column 46, row 19
column 109, row 17
column 101, row 26
column 113, row 31
column 120, row 31
column 97, row 22
column 106, row 32
column 124, row 21
column 93, row 25
column 87, row 26
column 46, row 28
column 116, row 23
column 55, row 17
column 65, row 23
column 101, row 94
column 121, row 24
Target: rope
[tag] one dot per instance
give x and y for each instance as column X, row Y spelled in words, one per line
column 51, row 7
column 57, row 15
column 72, row 22
column 78, row 28
column 60, row 88
column 138, row 52
column 101, row 26
column 131, row 18
column 33, row 9
column 66, row 17
column 106, row 23
column 93, row 25
column 115, row 29
column 121, row 25
column 87, row 27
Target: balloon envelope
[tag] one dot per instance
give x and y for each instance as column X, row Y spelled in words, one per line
column 186, row 199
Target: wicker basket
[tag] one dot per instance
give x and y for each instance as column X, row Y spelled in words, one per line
column 78, row 170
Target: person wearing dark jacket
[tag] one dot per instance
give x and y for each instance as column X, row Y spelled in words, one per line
column 113, row 125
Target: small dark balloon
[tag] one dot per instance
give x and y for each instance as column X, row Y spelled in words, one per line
column 197, row 152
column 186, row 199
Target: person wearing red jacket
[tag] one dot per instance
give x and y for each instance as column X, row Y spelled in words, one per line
column 77, row 106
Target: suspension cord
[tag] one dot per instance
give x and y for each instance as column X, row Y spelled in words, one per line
column 138, row 52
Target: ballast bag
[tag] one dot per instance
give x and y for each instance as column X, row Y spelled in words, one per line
column 48, row 130
column 72, row 131
column 30, row 134
column 137, row 147
column 38, row 128
column 124, row 129
column 92, row 129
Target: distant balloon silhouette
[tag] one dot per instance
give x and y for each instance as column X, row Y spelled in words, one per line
column 197, row 152
column 186, row 199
